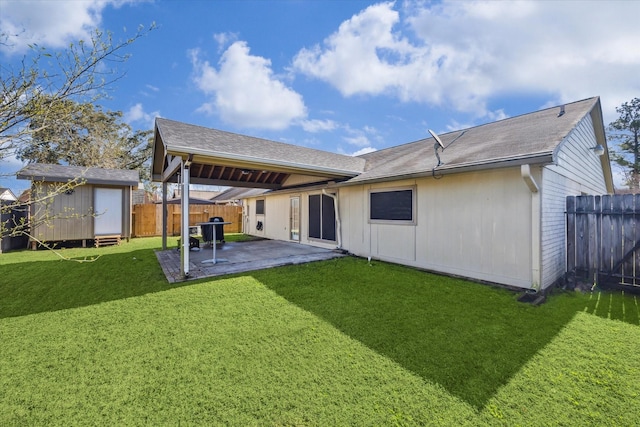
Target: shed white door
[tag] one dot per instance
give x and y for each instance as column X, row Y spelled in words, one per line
column 107, row 203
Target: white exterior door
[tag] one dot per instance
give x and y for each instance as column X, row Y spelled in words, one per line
column 107, row 203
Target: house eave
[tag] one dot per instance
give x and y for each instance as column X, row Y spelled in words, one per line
column 538, row 158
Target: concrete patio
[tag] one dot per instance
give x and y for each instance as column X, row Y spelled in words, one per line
column 240, row 257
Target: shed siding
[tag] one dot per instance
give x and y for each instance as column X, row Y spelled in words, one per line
column 66, row 217
column 578, row 170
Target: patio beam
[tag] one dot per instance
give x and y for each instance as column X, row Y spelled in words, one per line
column 231, row 183
column 174, row 164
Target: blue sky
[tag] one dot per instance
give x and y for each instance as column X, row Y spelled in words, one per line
column 345, row 76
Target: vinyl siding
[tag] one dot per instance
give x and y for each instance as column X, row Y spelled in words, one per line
column 578, row 170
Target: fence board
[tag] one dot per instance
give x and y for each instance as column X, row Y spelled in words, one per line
column 606, row 233
column 628, row 233
column 603, row 240
column 148, row 218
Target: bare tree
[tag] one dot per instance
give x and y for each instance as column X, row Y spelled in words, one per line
column 46, row 91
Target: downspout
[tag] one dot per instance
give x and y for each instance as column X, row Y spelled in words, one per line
column 337, row 212
column 536, row 278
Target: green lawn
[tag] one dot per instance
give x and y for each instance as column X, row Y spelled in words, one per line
column 339, row 342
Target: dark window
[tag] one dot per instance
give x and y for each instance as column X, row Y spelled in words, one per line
column 394, row 205
column 260, row 207
column 315, row 228
column 322, row 217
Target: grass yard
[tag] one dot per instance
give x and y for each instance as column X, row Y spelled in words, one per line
column 338, row 342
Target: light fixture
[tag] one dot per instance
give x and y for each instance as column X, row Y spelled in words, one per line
column 598, row 150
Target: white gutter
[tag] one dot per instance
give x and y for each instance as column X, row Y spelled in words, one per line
column 337, row 211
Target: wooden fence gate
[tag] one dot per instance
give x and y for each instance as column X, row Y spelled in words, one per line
column 603, row 240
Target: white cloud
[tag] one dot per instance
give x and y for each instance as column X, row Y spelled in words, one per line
column 363, row 56
column 50, row 23
column 224, row 39
column 137, row 114
column 245, row 92
column 463, row 54
column 316, row 125
column 357, row 140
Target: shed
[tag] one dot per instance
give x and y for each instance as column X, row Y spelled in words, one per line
column 485, row 203
column 96, row 206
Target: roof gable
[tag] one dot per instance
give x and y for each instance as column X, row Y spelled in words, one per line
column 7, row 194
column 225, row 158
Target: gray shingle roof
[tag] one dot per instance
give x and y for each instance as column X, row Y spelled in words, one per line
column 530, row 138
column 186, row 138
column 62, row 173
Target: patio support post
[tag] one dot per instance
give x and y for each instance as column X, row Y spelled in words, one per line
column 164, row 215
column 184, row 219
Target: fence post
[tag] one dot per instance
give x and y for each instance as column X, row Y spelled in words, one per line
column 571, row 237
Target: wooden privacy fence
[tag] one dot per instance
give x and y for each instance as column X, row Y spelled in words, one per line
column 603, row 240
column 147, row 218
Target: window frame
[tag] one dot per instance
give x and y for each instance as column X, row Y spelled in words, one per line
column 412, row 221
column 264, row 207
column 321, row 217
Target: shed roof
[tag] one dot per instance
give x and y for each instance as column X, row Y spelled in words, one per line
column 530, row 138
column 89, row 175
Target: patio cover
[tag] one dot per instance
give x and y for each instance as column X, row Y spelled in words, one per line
column 184, row 153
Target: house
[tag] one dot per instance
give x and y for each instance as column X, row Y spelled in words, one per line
column 85, row 203
column 485, row 203
column 7, row 195
column 12, row 215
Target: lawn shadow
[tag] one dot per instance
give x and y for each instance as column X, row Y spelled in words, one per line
column 37, row 286
column 467, row 337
